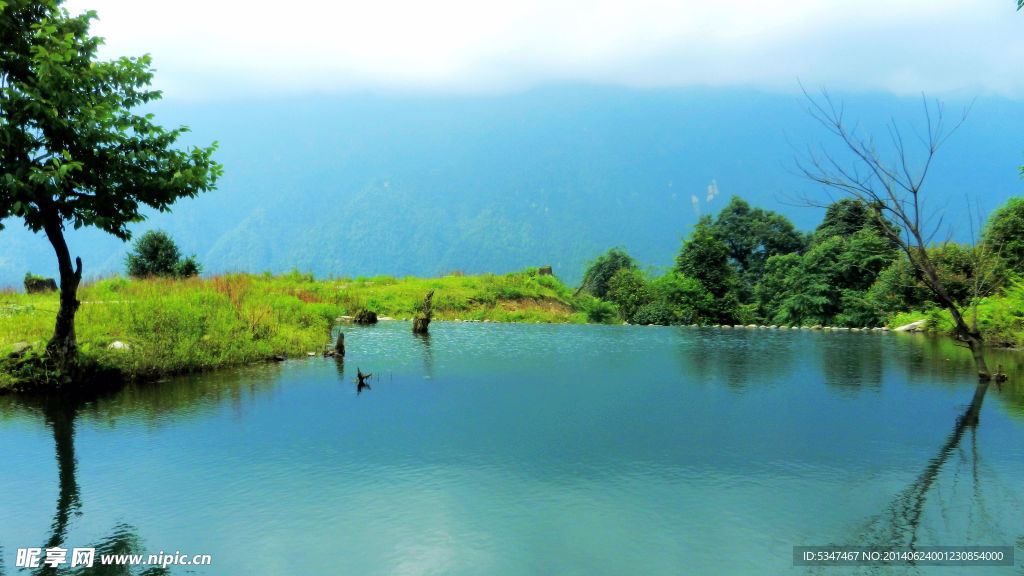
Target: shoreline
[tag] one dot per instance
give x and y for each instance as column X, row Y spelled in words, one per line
column 150, row 329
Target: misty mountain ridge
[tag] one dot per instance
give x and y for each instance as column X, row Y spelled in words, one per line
column 364, row 185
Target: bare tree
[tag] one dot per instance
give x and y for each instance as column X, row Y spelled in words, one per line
column 893, row 187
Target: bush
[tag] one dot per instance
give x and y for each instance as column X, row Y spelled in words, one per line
column 601, row 270
column 655, row 313
column 629, row 291
column 598, row 311
column 155, row 254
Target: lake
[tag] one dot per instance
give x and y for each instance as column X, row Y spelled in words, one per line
column 532, row 449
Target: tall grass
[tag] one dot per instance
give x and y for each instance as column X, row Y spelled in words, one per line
column 187, row 325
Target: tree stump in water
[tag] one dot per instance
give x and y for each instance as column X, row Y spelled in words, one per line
column 339, row 346
column 421, row 322
column 365, row 317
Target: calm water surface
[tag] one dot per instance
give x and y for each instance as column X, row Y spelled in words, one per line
column 525, row 449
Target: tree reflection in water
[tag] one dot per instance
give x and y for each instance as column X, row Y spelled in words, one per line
column 59, row 414
column 903, row 523
column 185, row 397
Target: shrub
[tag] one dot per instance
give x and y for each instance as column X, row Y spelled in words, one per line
column 156, row 254
column 598, row 311
column 655, row 313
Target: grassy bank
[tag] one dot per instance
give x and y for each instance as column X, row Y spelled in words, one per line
column 176, row 326
column 1000, row 318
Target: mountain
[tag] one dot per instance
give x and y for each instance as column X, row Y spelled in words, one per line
column 423, row 185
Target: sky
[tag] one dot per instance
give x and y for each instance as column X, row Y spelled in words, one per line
column 227, row 49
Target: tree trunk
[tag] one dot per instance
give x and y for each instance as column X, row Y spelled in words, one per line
column 975, row 344
column 968, row 334
column 64, row 345
column 420, row 325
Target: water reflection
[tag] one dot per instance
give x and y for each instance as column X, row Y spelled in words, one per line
column 900, row 525
column 59, row 414
column 737, row 357
column 154, row 403
column 428, row 353
column 848, row 372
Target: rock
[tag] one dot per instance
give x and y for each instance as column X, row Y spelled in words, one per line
column 385, row 319
column 118, row 345
column 816, row 327
column 751, row 326
column 365, row 317
column 545, row 271
column 20, row 349
column 344, row 319
column 912, row 327
column 36, row 285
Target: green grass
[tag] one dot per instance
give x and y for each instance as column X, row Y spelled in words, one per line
column 1000, row 317
column 175, row 326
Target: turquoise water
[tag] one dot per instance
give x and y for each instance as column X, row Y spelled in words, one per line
column 532, row 449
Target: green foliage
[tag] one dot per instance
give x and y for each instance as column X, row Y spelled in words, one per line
column 598, row 311
column 847, row 216
column 657, row 313
column 73, row 150
column 706, row 258
column 599, row 272
column 628, row 290
column 175, row 326
column 1004, row 234
column 829, row 284
column 1001, row 318
column 753, row 235
column 685, row 297
column 156, row 254
column 187, row 267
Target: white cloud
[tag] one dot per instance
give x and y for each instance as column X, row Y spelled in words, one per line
column 211, row 48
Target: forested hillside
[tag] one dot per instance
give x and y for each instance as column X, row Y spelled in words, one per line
column 361, row 185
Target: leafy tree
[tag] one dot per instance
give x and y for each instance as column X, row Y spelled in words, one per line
column 1004, row 234
column 827, row 285
column 686, row 297
column 705, row 258
column 156, row 254
column 629, row 291
column 847, row 216
column 753, row 235
column 72, row 151
column 188, row 267
column 601, row 270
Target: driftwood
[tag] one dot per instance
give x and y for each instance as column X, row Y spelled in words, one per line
column 361, row 382
column 421, row 322
column 339, row 348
